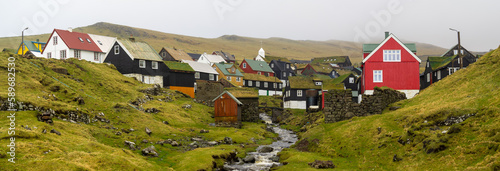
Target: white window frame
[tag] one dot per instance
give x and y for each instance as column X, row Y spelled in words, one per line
column 274, row 85
column 238, row 79
column 438, row 75
column 244, row 65
column 211, row 77
column 142, row 64
column 62, row 54
column 49, row 55
column 287, row 83
column 392, row 55
column 428, row 77
column 55, row 40
column 452, row 70
column 289, row 74
column 257, row 84
column 280, row 86
column 378, row 76
column 351, row 80
column 97, row 55
column 287, row 93
column 284, row 74
column 272, row 65
column 78, row 54
column 318, row 83
column 249, row 83
column 117, row 49
column 458, row 60
column 229, row 78
column 427, row 64
column 265, row 84
column 197, row 75
column 154, row 65
column 299, row 93
column 287, row 66
column 259, row 73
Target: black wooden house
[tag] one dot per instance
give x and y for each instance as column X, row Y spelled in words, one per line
column 282, row 69
column 302, row 92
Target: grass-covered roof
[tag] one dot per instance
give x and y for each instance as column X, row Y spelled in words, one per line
column 257, row 77
column 438, row 62
column 178, row 66
column 243, row 92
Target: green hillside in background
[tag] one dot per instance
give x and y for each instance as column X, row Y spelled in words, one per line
column 241, row 47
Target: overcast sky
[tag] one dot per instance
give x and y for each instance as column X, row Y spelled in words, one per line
column 426, row 21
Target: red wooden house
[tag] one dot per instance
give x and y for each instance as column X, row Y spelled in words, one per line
column 227, row 110
column 391, row 64
column 256, row 67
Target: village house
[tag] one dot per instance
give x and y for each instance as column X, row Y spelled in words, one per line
column 256, row 67
column 340, row 61
column 391, row 64
column 230, row 73
column 203, row 71
column 211, row 59
column 104, row 43
column 236, row 105
column 320, row 68
column 138, row 60
column 228, row 57
column 169, row 54
column 302, row 92
column 436, row 68
column 267, row 86
column 349, row 82
column 63, row 44
column 180, row 77
column 31, row 48
column 282, row 69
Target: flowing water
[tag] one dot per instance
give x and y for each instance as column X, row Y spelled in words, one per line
column 264, row 161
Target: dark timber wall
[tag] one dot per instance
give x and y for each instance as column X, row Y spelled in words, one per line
column 339, row 105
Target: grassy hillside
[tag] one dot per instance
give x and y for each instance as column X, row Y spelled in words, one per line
column 241, row 47
column 98, row 145
column 417, row 133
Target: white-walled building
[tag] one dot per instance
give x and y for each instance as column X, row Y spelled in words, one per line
column 211, row 59
column 63, row 44
column 261, row 56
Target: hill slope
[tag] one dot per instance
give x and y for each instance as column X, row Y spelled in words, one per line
column 241, row 47
column 93, row 112
column 421, row 133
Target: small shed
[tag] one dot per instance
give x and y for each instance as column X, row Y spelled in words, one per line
column 227, row 110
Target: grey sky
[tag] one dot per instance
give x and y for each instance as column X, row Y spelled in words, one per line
column 425, row 21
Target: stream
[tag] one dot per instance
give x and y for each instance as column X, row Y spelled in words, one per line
column 263, row 160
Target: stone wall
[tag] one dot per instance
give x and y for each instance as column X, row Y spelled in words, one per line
column 249, row 109
column 206, row 91
column 339, row 105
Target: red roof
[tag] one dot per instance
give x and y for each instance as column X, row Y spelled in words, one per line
column 72, row 40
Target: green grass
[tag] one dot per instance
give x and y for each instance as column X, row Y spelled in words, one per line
column 95, row 147
column 357, row 143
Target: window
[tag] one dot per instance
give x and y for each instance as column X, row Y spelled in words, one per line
column 55, row 40
column 428, row 77
column 249, row 83
column 427, row 64
column 287, row 66
column 96, row 56
column 274, row 85
column 78, row 54
column 257, row 84
column 142, row 64
column 289, row 74
column 280, row 86
column 229, row 78
column 377, row 76
column 259, row 73
column 211, row 77
column 79, row 38
column 439, row 75
column 154, row 65
column 318, row 83
column 265, row 84
column 238, row 79
column 233, row 70
column 272, row 65
column 288, row 93
column 299, row 93
column 284, row 74
column 49, row 55
column 351, row 80
column 117, row 49
column 392, row 55
column 244, row 65
column 455, row 52
column 88, row 40
column 62, row 54
column 98, row 41
column 287, row 83
column 164, row 54
column 452, row 70
column 458, row 60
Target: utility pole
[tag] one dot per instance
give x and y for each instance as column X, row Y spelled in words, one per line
column 22, row 41
column 460, row 56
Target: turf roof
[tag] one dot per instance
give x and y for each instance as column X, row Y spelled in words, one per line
column 438, row 62
column 257, row 77
column 302, row 82
column 268, row 59
column 331, row 59
column 173, row 65
column 244, row 92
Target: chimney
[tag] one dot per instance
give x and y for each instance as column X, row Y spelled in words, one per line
column 70, row 29
column 386, row 34
column 132, row 39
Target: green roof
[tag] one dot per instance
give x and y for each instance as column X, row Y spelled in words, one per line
column 438, row 62
column 302, row 82
column 257, row 77
column 223, row 68
column 341, row 78
column 331, row 59
column 178, row 66
column 270, row 58
column 244, row 92
column 368, row 48
column 259, row 65
column 31, row 45
column 322, row 67
column 140, row 50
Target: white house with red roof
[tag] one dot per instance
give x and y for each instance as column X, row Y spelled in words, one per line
column 63, row 44
column 390, row 64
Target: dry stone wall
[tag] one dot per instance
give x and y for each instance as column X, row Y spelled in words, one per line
column 339, row 105
column 249, row 109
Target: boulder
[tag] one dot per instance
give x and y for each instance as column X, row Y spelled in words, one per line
column 130, row 144
column 396, row 158
column 118, row 133
column 196, row 139
column 150, row 151
column 275, row 159
column 166, row 123
column 212, row 143
column 174, row 143
column 186, row 106
column 145, row 141
column 55, row 132
column 148, row 131
column 266, row 149
column 204, row 131
column 44, row 131
column 318, row 164
column 228, row 140
column 249, row 159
